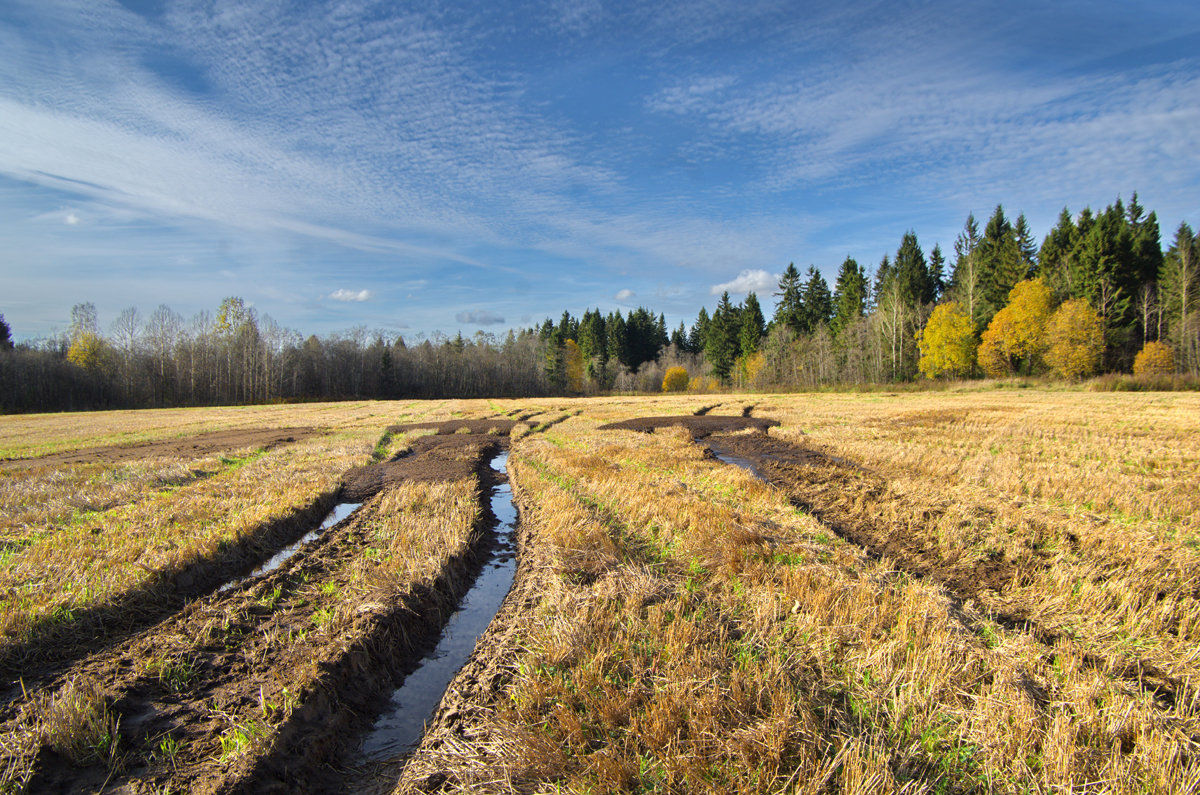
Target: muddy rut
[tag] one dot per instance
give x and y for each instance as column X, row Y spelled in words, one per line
column 857, row 505
column 262, row 686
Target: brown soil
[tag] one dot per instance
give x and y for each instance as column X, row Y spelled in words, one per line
column 191, row 447
column 452, row 453
column 699, row 425
column 256, row 646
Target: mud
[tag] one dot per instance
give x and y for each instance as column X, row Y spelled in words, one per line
column 451, row 453
column 257, row 655
column 700, row 426
column 191, row 447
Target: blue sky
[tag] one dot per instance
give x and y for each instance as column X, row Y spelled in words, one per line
column 453, row 166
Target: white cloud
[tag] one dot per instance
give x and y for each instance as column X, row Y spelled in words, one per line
column 71, row 219
column 479, row 317
column 748, row 281
column 350, row 295
column 625, row 295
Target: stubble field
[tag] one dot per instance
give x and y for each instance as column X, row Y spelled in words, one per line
column 985, row 591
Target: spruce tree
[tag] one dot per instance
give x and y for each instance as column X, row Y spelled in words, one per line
column 753, row 326
column 849, row 296
column 6, row 343
column 817, row 302
column 937, row 272
column 1000, row 265
column 721, row 347
column 789, row 311
column 913, row 272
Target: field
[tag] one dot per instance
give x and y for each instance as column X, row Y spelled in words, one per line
column 978, row 591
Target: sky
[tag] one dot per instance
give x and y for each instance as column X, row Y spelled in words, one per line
column 447, row 166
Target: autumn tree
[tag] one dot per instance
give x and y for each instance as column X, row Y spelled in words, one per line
column 1154, row 359
column 573, row 366
column 948, row 342
column 675, row 380
column 1180, row 288
column 1075, row 334
column 1017, row 333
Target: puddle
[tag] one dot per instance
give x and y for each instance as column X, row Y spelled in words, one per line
column 744, row 463
column 402, row 724
column 339, row 512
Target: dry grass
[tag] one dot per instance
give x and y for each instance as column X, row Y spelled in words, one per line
column 701, row 634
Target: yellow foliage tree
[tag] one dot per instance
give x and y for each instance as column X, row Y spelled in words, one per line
column 1076, row 340
column 675, row 380
column 948, row 342
column 993, row 353
column 89, row 351
column 573, row 365
column 1154, row 359
column 1018, row 331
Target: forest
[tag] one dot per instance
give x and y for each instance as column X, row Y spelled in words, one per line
column 1099, row 295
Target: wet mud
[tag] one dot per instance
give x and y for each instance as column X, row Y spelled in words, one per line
column 219, row 671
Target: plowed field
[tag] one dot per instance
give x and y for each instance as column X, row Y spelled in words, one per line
column 953, row 592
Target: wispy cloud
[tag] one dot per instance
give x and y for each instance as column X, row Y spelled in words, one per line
column 624, row 295
column 350, row 295
column 479, row 317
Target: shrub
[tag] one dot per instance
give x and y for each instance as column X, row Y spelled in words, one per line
column 1154, row 359
column 676, row 379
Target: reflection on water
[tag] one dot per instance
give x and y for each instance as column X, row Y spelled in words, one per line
column 339, row 512
column 400, row 728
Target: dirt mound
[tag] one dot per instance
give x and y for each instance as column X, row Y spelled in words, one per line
column 700, row 426
column 190, row 447
column 492, row 426
column 432, row 458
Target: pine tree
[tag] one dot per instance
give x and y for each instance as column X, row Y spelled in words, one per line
column 966, row 280
column 913, row 272
column 849, row 296
column 6, row 343
column 753, row 326
column 816, row 302
column 937, row 272
column 1001, row 266
column 789, row 311
column 721, row 347
column 698, row 338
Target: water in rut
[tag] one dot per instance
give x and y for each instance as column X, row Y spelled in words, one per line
column 339, row 512
column 400, row 727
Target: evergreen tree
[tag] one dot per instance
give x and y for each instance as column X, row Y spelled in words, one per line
column 1054, row 257
column 789, row 311
column 1180, row 285
column 849, row 296
column 753, row 326
column 883, row 277
column 679, row 338
column 721, row 347
column 816, row 301
column 1000, row 265
column 937, row 272
column 1026, row 248
column 6, row 343
column 698, row 338
column 911, row 269
column 614, row 325
column 965, row 281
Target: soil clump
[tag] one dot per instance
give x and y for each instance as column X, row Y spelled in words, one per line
column 197, row 446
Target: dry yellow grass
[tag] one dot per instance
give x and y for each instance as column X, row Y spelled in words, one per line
column 701, row 634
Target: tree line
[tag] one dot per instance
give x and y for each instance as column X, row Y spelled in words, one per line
column 1099, row 281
